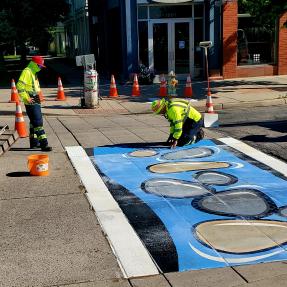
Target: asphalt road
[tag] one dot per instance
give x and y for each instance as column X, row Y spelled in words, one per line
column 264, row 128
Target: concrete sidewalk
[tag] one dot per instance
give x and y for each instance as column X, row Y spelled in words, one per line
column 49, row 234
column 227, row 94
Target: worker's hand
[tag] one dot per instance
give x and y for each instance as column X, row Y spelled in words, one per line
column 169, row 140
column 31, row 101
column 174, row 143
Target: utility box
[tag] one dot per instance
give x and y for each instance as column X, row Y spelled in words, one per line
column 90, row 97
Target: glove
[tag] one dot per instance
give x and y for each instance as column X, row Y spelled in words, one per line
column 169, row 140
column 173, row 143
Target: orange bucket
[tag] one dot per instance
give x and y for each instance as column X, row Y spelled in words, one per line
column 38, row 164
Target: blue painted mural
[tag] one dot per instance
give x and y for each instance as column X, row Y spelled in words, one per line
column 202, row 206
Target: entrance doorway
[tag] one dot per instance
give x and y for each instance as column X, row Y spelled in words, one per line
column 171, row 46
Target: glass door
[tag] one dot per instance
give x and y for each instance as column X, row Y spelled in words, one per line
column 182, row 48
column 170, row 46
column 161, row 51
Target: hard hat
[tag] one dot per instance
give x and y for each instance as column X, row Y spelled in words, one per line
column 158, row 105
column 39, row 60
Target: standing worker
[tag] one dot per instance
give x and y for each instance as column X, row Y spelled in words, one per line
column 28, row 87
column 185, row 121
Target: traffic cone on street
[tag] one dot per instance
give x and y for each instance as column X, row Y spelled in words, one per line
column 41, row 96
column 113, row 88
column 136, row 87
column 209, row 105
column 14, row 93
column 163, row 88
column 20, row 126
column 60, row 94
column 188, row 87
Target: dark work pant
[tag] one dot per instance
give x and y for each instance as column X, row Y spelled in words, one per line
column 37, row 132
column 189, row 131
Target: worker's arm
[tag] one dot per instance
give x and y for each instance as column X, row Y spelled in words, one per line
column 176, row 124
column 22, row 88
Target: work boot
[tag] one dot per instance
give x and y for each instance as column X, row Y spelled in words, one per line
column 34, row 143
column 46, row 148
column 200, row 135
column 34, row 146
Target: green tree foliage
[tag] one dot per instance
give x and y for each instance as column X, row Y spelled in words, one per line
column 29, row 20
column 265, row 11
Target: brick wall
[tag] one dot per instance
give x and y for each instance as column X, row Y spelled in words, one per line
column 282, row 46
column 229, row 34
column 256, row 71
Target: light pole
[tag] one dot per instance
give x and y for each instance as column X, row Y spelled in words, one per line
column 206, row 45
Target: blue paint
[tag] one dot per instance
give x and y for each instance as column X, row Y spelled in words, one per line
column 178, row 215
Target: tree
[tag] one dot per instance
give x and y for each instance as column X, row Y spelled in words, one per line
column 28, row 21
column 266, row 12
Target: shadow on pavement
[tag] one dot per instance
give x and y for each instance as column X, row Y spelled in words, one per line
column 18, row 174
column 264, row 138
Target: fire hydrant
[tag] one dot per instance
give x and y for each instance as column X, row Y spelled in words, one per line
column 172, row 84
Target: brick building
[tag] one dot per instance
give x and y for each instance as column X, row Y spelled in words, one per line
column 164, row 35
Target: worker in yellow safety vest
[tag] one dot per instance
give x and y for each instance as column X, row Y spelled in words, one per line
column 28, row 87
column 185, row 121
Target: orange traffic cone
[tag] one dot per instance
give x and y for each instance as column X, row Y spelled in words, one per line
column 209, row 105
column 20, row 126
column 60, row 94
column 188, row 87
column 41, row 96
column 14, row 93
column 163, row 88
column 113, row 88
column 136, row 87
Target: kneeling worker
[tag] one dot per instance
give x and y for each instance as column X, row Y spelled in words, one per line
column 28, row 87
column 185, row 121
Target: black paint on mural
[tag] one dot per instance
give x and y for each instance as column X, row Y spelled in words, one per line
column 147, row 224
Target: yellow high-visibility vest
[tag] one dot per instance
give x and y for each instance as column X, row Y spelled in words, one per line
column 28, row 84
column 177, row 112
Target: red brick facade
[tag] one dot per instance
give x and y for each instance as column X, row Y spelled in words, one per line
column 230, row 23
column 282, row 46
column 229, row 66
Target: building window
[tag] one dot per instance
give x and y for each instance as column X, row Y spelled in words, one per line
column 159, row 12
column 255, row 43
column 142, row 12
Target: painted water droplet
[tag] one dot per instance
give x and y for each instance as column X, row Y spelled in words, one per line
column 215, row 178
column 249, row 203
column 174, row 188
column 283, row 211
column 182, row 166
column 188, row 153
column 143, row 153
column 240, row 236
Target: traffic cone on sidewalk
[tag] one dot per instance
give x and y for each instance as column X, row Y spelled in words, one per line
column 20, row 126
column 60, row 94
column 188, row 87
column 163, row 88
column 209, row 105
column 113, row 88
column 41, row 96
column 14, row 93
column 136, row 87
